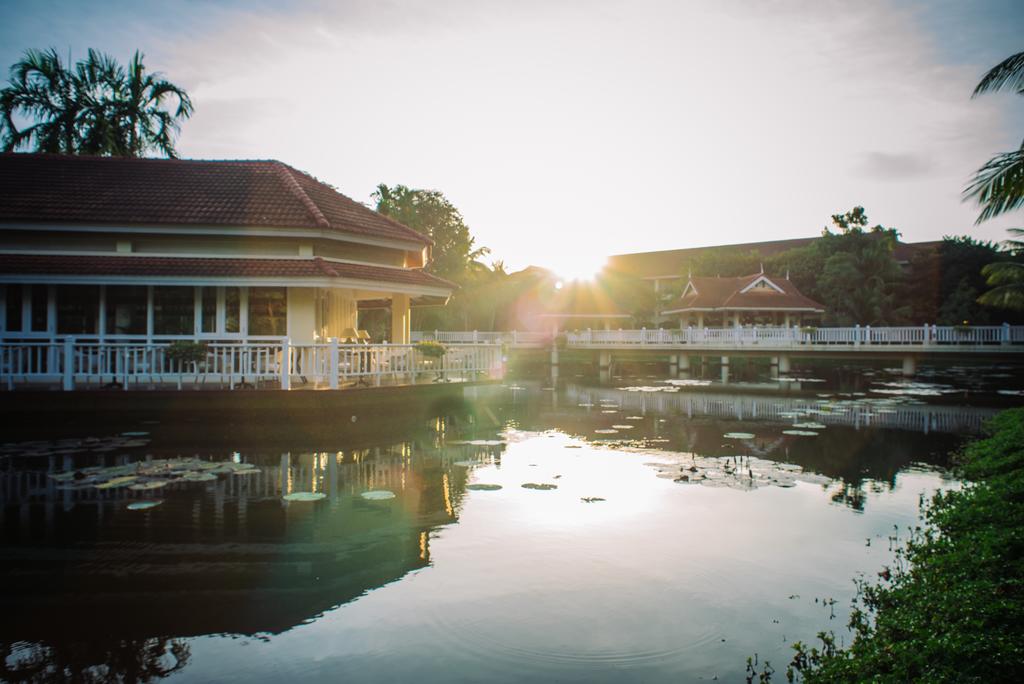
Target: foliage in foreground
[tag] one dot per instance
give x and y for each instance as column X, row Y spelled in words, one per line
column 951, row 607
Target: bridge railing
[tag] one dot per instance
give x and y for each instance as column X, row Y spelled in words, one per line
column 899, row 336
column 69, row 364
column 513, row 337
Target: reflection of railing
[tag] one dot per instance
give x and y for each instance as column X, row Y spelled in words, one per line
column 920, row 338
column 916, row 417
column 71, row 363
column 513, row 338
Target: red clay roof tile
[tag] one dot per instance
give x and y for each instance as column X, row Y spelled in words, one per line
column 108, row 190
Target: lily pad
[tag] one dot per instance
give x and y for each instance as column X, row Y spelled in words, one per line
column 483, row 487
column 199, row 477
column 304, row 496
column 146, row 486
column 623, row 427
column 115, row 482
column 606, row 431
column 143, row 505
column 810, row 426
column 538, row 485
column 378, row 495
column 739, row 435
column 800, row 433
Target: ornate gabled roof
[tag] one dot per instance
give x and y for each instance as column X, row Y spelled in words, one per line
column 741, row 293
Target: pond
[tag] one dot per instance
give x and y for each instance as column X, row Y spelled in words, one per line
column 630, row 533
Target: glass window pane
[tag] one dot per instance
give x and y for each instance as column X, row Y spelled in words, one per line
column 232, row 309
column 209, row 310
column 13, row 298
column 126, row 310
column 39, row 306
column 174, row 310
column 268, row 311
column 78, row 309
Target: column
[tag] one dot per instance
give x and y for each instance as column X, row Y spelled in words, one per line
column 401, row 331
column 784, row 364
column 774, row 362
column 725, row 370
column 604, row 363
column 302, row 315
column 909, row 366
column 683, row 363
column 673, row 366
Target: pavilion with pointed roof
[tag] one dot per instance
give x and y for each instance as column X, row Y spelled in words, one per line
column 756, row 299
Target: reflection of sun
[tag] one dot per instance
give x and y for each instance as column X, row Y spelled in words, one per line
column 579, row 266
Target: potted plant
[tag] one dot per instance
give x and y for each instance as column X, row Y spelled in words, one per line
column 431, row 351
column 186, row 353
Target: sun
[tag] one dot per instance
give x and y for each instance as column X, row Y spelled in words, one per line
column 579, row 267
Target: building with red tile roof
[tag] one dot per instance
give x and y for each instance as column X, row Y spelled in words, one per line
column 751, row 299
column 112, row 248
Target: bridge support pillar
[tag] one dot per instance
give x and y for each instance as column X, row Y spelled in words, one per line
column 774, row 364
column 673, row 365
column 909, row 366
column 725, row 370
column 604, row 366
column 784, row 366
column 683, row 364
column 554, row 362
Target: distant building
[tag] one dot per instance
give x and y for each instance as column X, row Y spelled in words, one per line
column 113, row 249
column 747, row 300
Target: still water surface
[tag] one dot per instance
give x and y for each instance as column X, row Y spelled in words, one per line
column 656, row 548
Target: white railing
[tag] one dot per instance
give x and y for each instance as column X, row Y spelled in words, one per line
column 72, row 364
column 512, row 338
column 994, row 337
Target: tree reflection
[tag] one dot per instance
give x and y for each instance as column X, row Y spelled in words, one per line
column 128, row 660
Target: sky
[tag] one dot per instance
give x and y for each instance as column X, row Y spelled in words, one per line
column 565, row 131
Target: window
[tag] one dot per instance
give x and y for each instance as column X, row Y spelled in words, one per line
column 209, row 311
column 268, row 311
column 40, row 297
column 174, row 310
column 126, row 310
column 13, row 299
column 232, row 309
column 78, row 309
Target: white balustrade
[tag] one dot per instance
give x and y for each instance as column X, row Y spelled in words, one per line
column 71, row 363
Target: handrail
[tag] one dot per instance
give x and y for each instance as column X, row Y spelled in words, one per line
column 74, row 363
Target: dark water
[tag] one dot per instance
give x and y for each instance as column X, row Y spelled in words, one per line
column 662, row 549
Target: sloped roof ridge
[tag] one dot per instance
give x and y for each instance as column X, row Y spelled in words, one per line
column 285, row 173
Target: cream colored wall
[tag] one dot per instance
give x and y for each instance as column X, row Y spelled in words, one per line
column 302, row 315
column 49, row 241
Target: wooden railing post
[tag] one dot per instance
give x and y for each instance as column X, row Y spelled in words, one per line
column 286, row 363
column 68, row 379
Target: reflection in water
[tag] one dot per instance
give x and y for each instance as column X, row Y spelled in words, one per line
column 94, row 591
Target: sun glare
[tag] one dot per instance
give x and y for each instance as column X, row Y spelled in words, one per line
column 579, row 267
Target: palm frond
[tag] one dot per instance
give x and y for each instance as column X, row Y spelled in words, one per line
column 1007, row 74
column 998, row 186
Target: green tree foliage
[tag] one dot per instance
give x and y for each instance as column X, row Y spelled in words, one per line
column 454, row 256
column 95, row 107
column 998, row 187
column 1007, row 277
column 429, row 213
column 951, row 606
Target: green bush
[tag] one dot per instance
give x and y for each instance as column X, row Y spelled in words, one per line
column 431, row 350
column 186, row 352
column 951, row 606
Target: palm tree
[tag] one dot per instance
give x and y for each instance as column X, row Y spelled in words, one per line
column 99, row 107
column 998, row 186
column 143, row 120
column 1006, row 277
column 44, row 90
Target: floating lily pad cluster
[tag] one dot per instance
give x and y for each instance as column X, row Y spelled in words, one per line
column 735, row 472
column 76, row 446
column 144, row 476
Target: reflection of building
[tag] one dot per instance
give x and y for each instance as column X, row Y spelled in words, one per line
column 752, row 299
column 146, row 249
column 224, row 556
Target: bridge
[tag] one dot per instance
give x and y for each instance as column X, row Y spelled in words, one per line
column 905, row 343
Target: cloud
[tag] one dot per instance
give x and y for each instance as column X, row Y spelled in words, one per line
column 889, row 166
